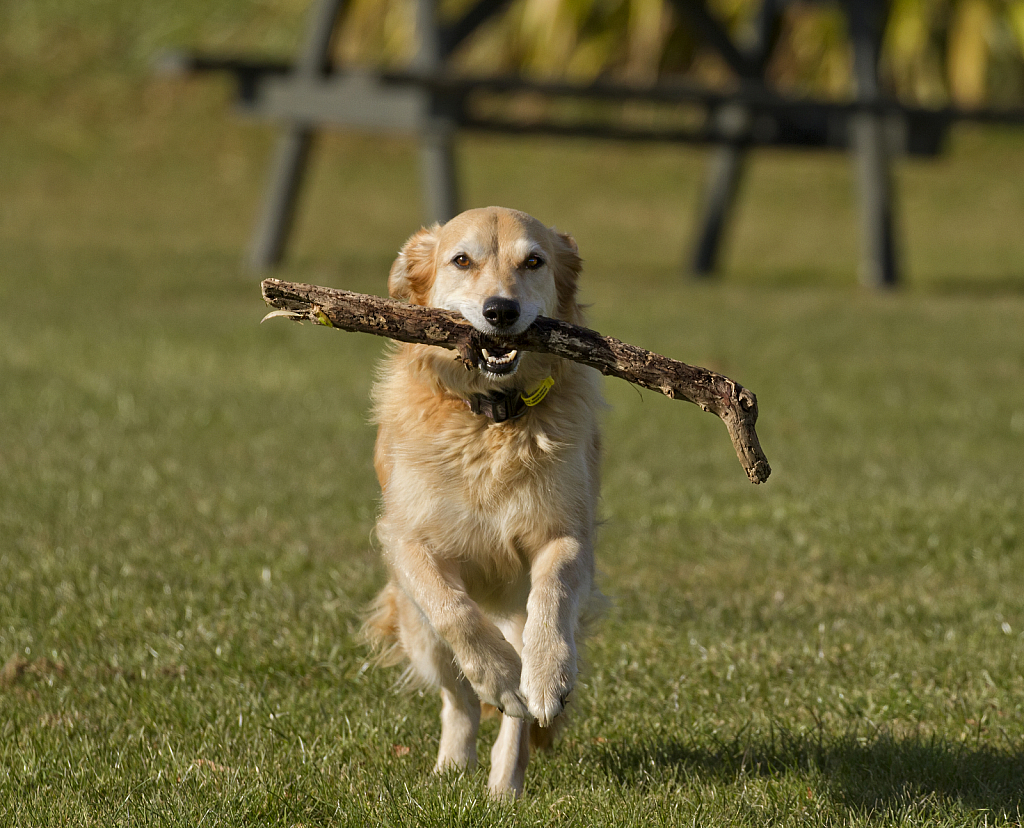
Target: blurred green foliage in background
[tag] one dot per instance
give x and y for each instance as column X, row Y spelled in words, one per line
column 935, row 52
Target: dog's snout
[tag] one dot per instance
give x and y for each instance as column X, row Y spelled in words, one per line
column 501, row 312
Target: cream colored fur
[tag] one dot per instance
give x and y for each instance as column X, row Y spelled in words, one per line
column 487, row 529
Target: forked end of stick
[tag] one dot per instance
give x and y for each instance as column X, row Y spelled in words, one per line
column 284, row 314
column 313, row 314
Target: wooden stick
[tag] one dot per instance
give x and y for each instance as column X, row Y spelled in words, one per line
column 734, row 404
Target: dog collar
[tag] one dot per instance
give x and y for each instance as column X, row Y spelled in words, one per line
column 501, row 406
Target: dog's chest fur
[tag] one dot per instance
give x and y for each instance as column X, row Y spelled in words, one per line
column 488, row 495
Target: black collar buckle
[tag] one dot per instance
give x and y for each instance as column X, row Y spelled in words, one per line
column 500, row 406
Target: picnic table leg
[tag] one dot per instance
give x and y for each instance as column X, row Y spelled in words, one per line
column 878, row 267
column 879, row 260
column 726, row 168
column 440, row 187
column 292, row 155
column 437, row 133
column 728, row 164
column 278, row 213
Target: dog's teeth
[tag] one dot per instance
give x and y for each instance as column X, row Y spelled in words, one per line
column 499, row 360
column 496, row 362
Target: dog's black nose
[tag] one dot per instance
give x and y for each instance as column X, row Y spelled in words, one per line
column 500, row 312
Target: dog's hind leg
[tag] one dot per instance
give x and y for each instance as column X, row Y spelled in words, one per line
column 509, row 757
column 433, row 661
column 511, row 751
column 460, row 719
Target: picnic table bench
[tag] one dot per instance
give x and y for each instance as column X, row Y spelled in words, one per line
column 434, row 102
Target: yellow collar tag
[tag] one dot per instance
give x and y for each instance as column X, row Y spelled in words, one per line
column 538, row 396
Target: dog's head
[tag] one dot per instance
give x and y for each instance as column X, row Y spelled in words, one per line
column 499, row 268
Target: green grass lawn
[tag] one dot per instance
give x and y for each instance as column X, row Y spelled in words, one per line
column 187, row 497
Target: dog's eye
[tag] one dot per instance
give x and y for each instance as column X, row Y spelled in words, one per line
column 533, row 262
column 461, row 261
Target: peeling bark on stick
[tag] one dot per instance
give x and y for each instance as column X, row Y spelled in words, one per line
column 359, row 312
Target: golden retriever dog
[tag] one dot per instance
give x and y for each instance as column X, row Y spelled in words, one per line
column 489, row 475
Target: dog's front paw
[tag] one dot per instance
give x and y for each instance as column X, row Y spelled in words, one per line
column 548, row 678
column 513, row 704
column 495, row 678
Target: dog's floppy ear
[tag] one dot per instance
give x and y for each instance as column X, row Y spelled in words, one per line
column 413, row 270
column 567, row 266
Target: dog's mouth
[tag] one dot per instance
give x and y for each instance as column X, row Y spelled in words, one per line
column 498, row 361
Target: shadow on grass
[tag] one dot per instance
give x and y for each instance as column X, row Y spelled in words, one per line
column 866, row 775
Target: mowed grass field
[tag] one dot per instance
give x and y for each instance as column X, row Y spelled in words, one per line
column 187, row 497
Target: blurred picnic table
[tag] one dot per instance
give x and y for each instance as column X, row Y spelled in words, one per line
column 433, row 101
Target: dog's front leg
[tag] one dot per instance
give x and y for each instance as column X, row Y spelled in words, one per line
column 561, row 574
column 489, row 661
